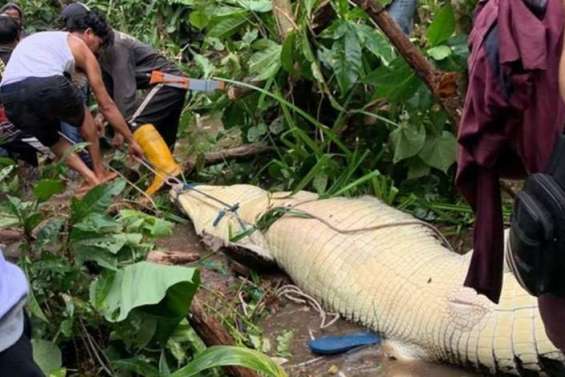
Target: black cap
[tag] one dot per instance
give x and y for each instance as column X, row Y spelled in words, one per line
column 73, row 10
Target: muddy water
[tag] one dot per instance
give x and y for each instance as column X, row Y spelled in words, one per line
column 304, row 324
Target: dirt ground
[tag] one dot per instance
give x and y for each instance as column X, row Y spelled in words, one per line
column 222, row 281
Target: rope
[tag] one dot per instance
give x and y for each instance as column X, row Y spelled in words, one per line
column 370, row 228
column 296, row 295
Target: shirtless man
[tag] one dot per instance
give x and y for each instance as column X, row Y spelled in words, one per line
column 38, row 94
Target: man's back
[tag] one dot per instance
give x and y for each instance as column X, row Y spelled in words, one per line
column 42, row 54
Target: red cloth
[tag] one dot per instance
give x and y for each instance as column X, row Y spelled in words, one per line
column 512, row 116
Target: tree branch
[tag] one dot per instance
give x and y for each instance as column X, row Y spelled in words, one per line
column 442, row 84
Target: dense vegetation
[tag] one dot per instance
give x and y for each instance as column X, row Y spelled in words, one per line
column 344, row 114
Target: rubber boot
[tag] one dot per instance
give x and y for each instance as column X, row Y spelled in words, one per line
column 157, row 154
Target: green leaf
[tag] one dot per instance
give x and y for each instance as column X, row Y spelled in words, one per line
column 442, row 27
column 348, row 64
column 199, row 19
column 62, row 372
column 137, row 366
column 96, row 200
column 259, row 6
column 136, row 221
column 283, row 343
column 397, row 82
column 288, row 52
column 5, row 172
column 145, row 284
column 111, row 243
column 439, row 52
column 98, row 223
column 375, row 42
column 417, row 168
column 46, row 188
column 407, row 141
column 266, row 63
column 47, row 355
column 49, row 232
column 440, row 152
column 220, row 356
column 8, row 220
column 227, row 26
column 309, row 5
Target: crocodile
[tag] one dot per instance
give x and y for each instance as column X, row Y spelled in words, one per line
column 383, row 268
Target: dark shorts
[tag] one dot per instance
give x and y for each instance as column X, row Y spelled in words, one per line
column 38, row 105
column 18, row 359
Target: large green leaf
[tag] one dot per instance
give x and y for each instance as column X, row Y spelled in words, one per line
column 442, row 27
column 8, row 220
column 145, row 284
column 375, row 42
column 227, row 26
column 199, row 19
column 397, row 82
column 266, row 63
column 347, row 64
column 407, row 141
column 96, row 200
column 138, row 366
column 49, row 232
column 47, row 355
column 439, row 52
column 220, row 356
column 440, row 152
column 46, row 188
column 136, row 221
column 259, row 6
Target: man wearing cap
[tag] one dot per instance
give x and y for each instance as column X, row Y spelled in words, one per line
column 126, row 65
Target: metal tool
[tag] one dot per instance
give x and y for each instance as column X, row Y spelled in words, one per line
column 182, row 82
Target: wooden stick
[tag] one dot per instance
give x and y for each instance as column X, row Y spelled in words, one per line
column 241, row 152
column 213, row 333
column 441, row 84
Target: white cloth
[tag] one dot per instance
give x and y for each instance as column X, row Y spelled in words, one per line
column 42, row 54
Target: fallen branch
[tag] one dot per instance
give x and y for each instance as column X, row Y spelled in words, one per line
column 172, row 257
column 443, row 85
column 213, row 334
column 10, row 235
column 236, row 153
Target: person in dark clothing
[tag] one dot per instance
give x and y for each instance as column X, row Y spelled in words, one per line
column 15, row 11
column 13, row 142
column 126, row 66
column 512, row 117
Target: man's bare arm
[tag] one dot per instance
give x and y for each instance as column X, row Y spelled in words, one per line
column 86, row 61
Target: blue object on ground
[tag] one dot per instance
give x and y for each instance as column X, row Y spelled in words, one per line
column 331, row 345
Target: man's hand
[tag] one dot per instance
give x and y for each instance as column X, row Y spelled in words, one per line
column 135, row 150
column 118, row 140
column 100, row 123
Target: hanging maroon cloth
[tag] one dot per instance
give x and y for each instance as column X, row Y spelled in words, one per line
column 512, row 116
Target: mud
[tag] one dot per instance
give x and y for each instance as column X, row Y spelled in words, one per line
column 220, row 280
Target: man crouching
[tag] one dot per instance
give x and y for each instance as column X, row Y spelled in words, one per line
column 38, row 95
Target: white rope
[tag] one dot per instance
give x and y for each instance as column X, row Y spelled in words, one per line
column 296, row 295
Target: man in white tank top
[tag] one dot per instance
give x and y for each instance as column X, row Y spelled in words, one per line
column 38, row 94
